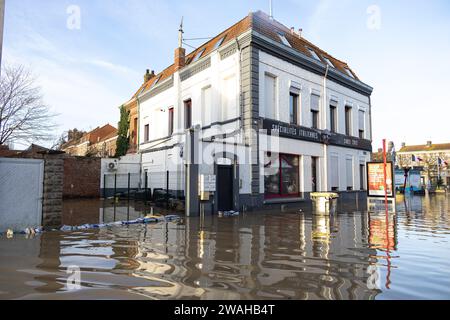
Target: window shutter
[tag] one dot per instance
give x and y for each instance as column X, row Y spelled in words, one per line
column 334, row 172
column 349, row 171
column 315, row 102
column 362, row 120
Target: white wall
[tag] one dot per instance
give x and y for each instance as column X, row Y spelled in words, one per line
column 290, row 75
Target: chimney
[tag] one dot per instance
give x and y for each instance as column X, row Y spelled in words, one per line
column 293, row 31
column 180, row 58
column 403, row 144
column 429, row 143
column 300, row 32
column 180, row 52
column 148, row 75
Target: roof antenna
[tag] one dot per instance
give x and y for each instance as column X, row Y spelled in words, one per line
column 270, row 9
column 180, row 34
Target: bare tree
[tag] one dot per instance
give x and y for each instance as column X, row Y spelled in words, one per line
column 24, row 118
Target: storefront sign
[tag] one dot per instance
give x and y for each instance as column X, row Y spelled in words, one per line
column 376, row 182
column 307, row 134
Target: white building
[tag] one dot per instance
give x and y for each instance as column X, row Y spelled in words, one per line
column 270, row 114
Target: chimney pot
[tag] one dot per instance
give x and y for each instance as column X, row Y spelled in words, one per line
column 403, row 144
column 300, row 32
column 429, row 143
column 148, row 75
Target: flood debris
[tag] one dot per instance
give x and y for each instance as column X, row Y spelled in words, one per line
column 146, row 220
column 224, row 214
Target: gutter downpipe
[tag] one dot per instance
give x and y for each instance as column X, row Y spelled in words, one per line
column 138, row 142
column 325, row 146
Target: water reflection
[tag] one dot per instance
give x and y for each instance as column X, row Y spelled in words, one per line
column 350, row 255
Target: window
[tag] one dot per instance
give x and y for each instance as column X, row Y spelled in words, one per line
column 334, row 166
column 328, row 61
column 293, row 108
column 284, row 40
column 188, row 114
column 281, row 176
column 333, row 118
column 171, row 114
column 147, row 133
column 349, row 73
column 362, row 174
column 315, row 119
column 348, row 121
column 198, row 55
column 314, row 180
column 219, row 42
column 314, row 54
column 361, row 120
column 349, row 172
column 315, row 104
column 270, row 96
column 133, row 134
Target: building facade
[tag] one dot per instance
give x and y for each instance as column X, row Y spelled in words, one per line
column 260, row 114
column 100, row 142
column 431, row 159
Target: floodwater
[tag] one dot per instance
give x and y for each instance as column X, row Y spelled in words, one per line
column 350, row 255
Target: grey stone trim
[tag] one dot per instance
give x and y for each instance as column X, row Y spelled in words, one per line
column 197, row 67
column 228, row 51
column 295, row 57
column 250, row 107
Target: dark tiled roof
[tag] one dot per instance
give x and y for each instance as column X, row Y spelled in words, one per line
column 261, row 23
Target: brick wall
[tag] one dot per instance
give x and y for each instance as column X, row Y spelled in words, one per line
column 82, row 177
column 53, row 191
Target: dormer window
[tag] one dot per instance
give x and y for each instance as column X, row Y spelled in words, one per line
column 284, row 40
column 349, row 73
column 219, row 42
column 155, row 83
column 198, row 55
column 314, row 54
column 328, row 61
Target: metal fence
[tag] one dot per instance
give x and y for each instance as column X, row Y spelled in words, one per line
column 163, row 189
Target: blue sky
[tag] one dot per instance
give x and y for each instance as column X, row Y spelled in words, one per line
column 87, row 73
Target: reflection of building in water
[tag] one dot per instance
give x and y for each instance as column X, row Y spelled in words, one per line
column 296, row 256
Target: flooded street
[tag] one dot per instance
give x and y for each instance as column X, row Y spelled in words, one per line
column 350, row 255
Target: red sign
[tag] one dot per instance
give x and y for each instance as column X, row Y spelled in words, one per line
column 375, row 179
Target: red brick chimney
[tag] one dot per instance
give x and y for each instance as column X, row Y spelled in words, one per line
column 180, row 58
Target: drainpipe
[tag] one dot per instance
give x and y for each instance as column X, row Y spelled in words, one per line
column 138, row 139
column 325, row 146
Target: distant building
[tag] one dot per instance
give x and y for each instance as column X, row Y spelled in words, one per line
column 100, row 142
column 432, row 159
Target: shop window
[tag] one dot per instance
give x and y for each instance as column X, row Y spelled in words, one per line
column 281, row 176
